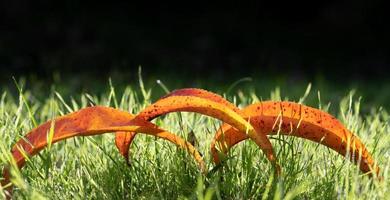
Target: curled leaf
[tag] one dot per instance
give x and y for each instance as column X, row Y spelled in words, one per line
column 123, row 140
column 301, row 121
column 203, row 102
column 90, row 121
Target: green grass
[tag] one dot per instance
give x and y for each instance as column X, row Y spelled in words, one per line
column 91, row 167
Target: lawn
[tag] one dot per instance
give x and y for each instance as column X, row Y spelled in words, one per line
column 92, row 168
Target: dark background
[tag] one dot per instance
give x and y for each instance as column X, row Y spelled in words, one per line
column 340, row 41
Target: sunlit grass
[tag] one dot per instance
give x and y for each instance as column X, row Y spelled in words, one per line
column 91, row 167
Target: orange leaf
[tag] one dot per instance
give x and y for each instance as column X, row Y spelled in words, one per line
column 297, row 120
column 123, row 140
column 210, row 108
column 90, row 121
column 203, row 102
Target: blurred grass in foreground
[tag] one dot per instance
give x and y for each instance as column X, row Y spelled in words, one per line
column 91, row 168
